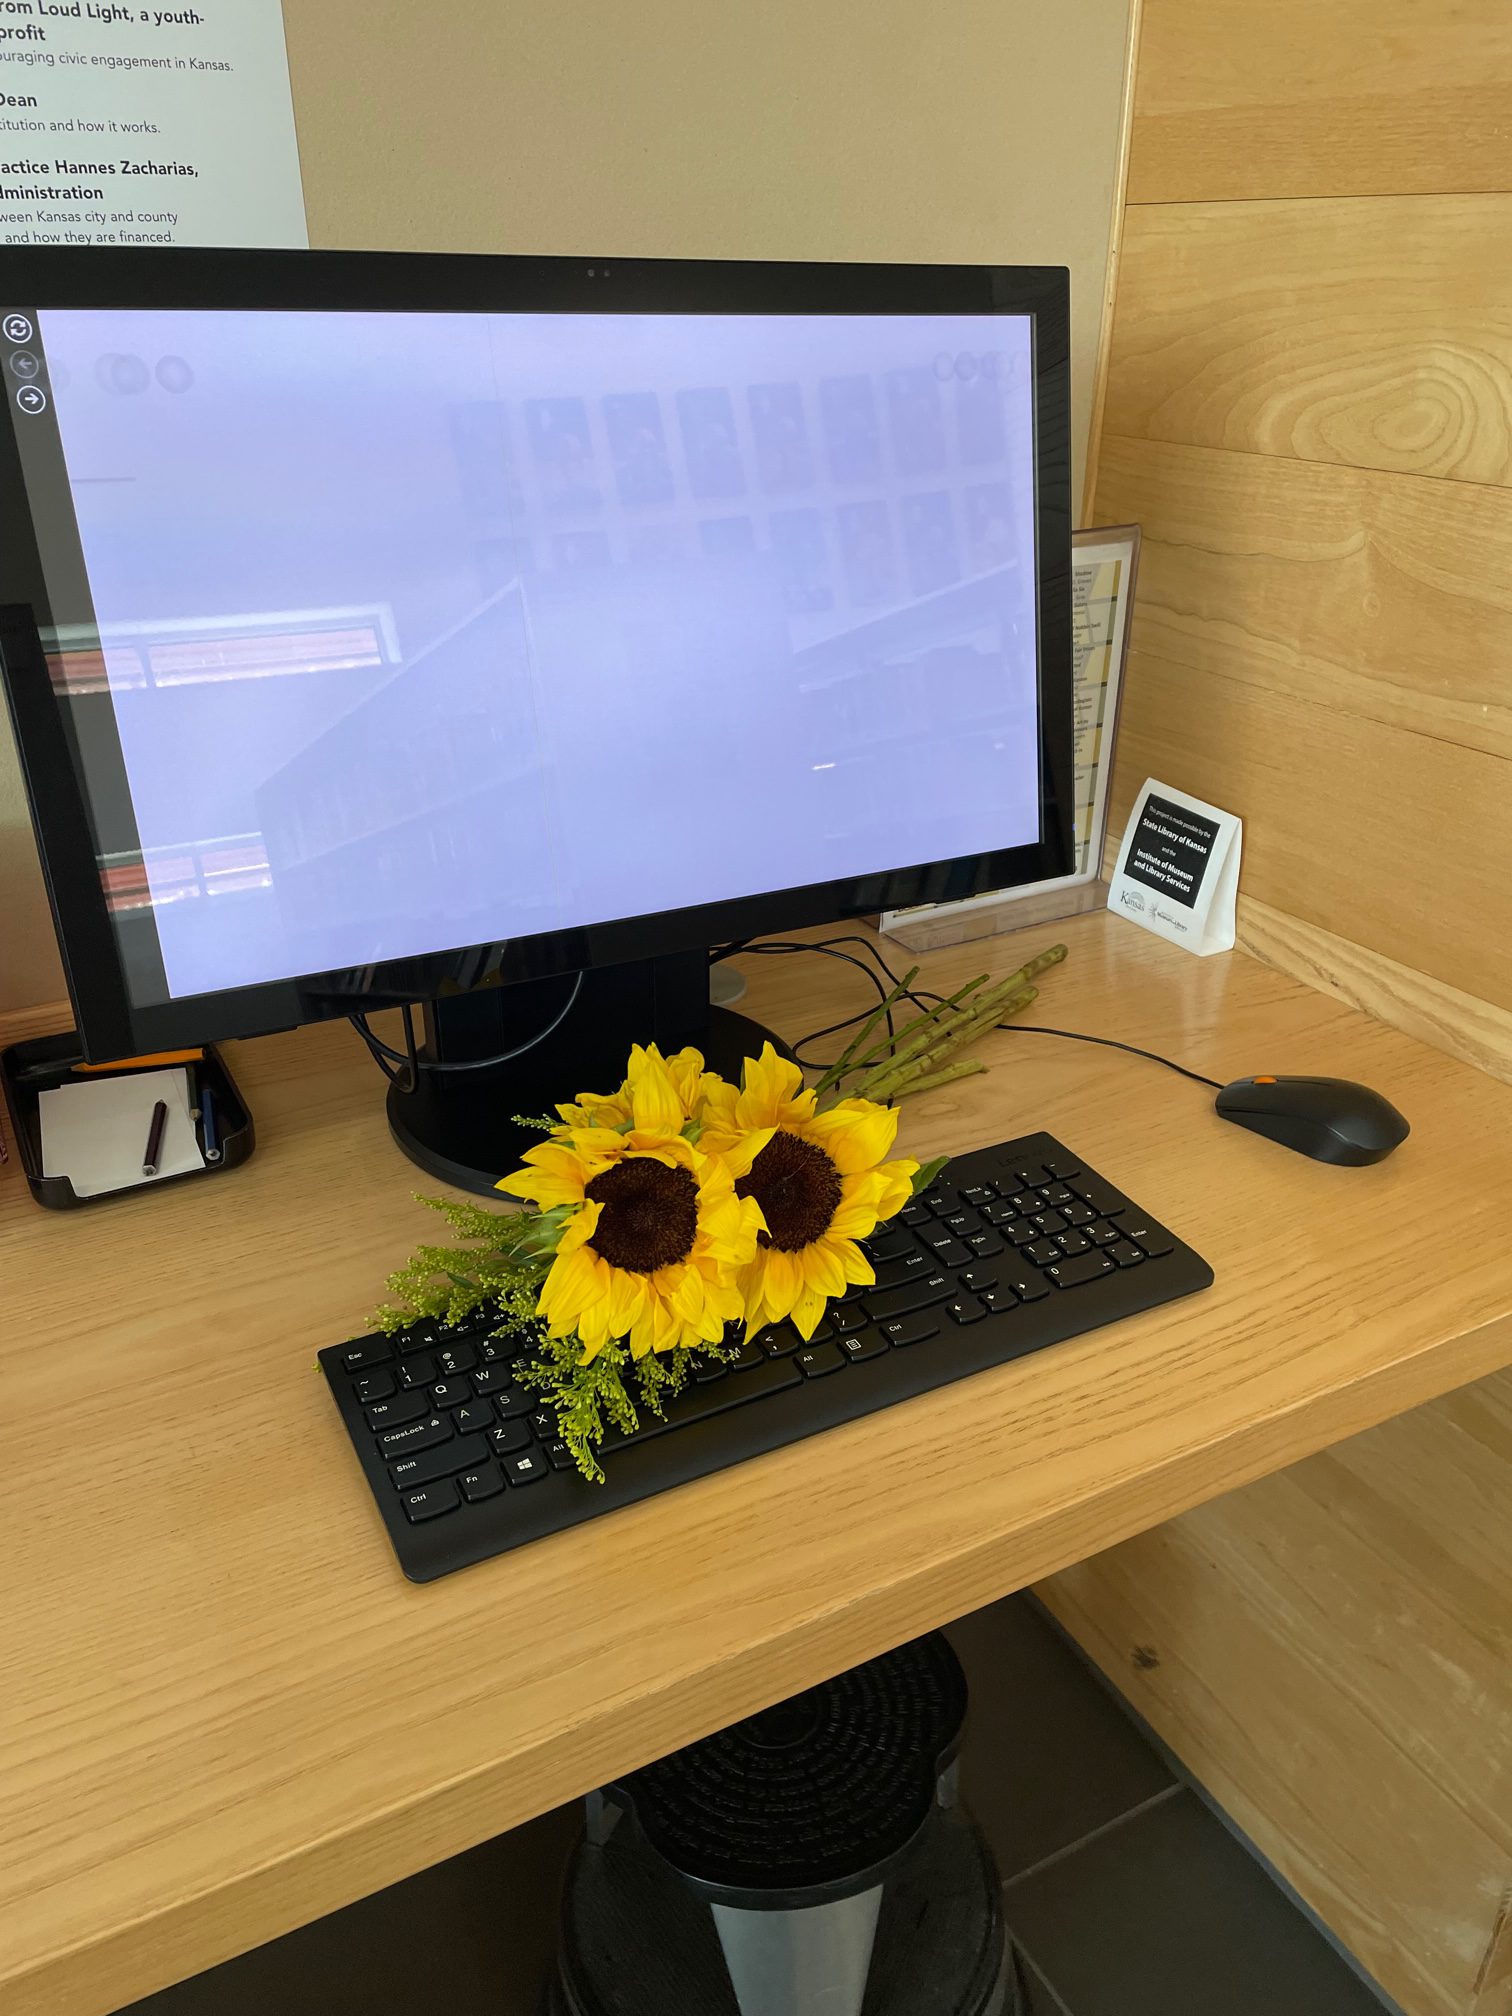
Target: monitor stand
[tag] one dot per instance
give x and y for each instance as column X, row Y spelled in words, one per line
column 460, row 1126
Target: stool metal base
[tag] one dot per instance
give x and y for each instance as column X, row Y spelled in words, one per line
column 636, row 1942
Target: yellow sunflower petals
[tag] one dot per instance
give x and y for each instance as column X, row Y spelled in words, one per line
column 856, row 1135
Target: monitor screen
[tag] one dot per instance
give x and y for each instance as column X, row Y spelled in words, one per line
column 389, row 631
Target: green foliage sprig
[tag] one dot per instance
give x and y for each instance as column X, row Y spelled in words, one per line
column 497, row 1272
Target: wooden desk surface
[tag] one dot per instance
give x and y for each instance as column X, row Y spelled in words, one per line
column 223, row 1711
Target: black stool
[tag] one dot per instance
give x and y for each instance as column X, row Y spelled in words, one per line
column 810, row 1861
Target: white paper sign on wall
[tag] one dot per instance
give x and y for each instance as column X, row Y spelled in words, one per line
column 1178, row 869
column 167, row 124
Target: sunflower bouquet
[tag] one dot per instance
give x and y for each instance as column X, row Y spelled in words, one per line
column 679, row 1215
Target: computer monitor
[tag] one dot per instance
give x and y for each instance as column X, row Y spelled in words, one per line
column 499, row 632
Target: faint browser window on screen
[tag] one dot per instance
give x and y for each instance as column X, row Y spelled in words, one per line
column 426, row 630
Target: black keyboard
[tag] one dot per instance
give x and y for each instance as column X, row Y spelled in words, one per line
column 1020, row 1246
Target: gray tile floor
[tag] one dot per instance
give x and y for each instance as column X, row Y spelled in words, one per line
column 1124, row 1895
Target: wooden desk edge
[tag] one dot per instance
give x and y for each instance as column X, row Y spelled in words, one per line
column 202, row 1929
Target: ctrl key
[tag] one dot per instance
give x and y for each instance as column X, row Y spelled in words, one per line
column 430, row 1501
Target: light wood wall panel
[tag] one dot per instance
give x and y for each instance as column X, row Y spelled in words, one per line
column 1345, row 1696
column 1322, row 98
column 1375, row 332
column 1309, row 411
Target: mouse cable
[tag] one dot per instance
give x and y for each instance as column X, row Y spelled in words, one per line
column 411, row 1064
column 924, row 998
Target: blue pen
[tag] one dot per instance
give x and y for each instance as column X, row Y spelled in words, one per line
column 208, row 1131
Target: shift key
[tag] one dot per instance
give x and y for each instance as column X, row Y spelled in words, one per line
column 419, row 1435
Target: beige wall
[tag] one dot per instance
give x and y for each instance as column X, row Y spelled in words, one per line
column 807, row 129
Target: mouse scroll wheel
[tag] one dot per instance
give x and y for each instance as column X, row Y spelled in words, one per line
column 1262, row 1081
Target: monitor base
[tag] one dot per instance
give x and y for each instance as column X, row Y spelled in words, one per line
column 461, row 1126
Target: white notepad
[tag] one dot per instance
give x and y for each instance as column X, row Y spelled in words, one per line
column 94, row 1130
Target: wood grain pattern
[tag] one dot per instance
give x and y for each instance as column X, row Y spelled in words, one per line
column 1376, row 332
column 1350, row 1620
column 1447, row 1017
column 1387, row 597
column 1293, row 99
column 1397, row 841
column 1110, row 276
column 225, row 1711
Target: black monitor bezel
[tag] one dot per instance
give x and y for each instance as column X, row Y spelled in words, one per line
column 109, row 1022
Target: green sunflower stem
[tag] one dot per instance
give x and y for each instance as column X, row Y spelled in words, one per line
column 968, row 1067
column 847, row 1058
column 930, row 1016
column 896, row 1083
column 940, row 1038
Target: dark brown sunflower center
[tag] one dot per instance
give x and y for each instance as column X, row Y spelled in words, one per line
column 798, row 1189
column 650, row 1215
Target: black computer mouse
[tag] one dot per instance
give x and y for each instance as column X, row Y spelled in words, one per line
column 1331, row 1119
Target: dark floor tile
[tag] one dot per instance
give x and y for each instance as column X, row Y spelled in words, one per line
column 1036, row 1996
column 472, row 1937
column 1048, row 1755
column 1167, row 1915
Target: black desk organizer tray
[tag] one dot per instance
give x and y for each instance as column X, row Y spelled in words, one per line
column 28, row 1069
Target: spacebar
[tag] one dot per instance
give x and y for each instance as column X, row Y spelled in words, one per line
column 700, row 1403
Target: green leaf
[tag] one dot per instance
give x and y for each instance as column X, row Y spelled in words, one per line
column 927, row 1173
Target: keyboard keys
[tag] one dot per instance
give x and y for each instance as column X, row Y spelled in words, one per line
column 916, row 1329
column 979, row 1278
column 1049, row 1222
column 1057, row 1195
column 394, row 1413
column 371, row 1351
column 527, row 1469
column 500, row 1350
column 430, row 1502
column 560, row 1457
column 1101, row 1233
column 1125, row 1254
column 1150, row 1240
column 417, row 1371
column 513, row 1403
column 477, row 1485
column 1044, row 1252
column 934, row 1288
column 1077, row 1214
column 814, row 1361
column 985, row 1246
column 778, row 1340
column 696, row 1403
column 1102, row 1197
column 746, row 1359
column 893, row 1273
column 963, row 1223
column 1022, row 1231
column 476, row 1417
column 1061, row 1169
column 996, row 1300
column 956, row 1254
column 1032, row 1175
column 1001, row 1213
column 1026, row 1284
column 888, row 1243
column 978, row 1194
column 512, row 1437
column 418, row 1435
column 1093, row 1266
column 373, row 1386
column 863, row 1344
column 939, row 1201
column 913, row 1215
column 707, row 1370
column 1072, row 1243
column 492, row 1379
column 433, row 1463
column 451, row 1392
column 848, row 1316
column 542, row 1424
column 937, row 1234
column 455, row 1359
column 966, row 1309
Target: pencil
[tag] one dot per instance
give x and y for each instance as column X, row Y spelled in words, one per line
column 155, row 1139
